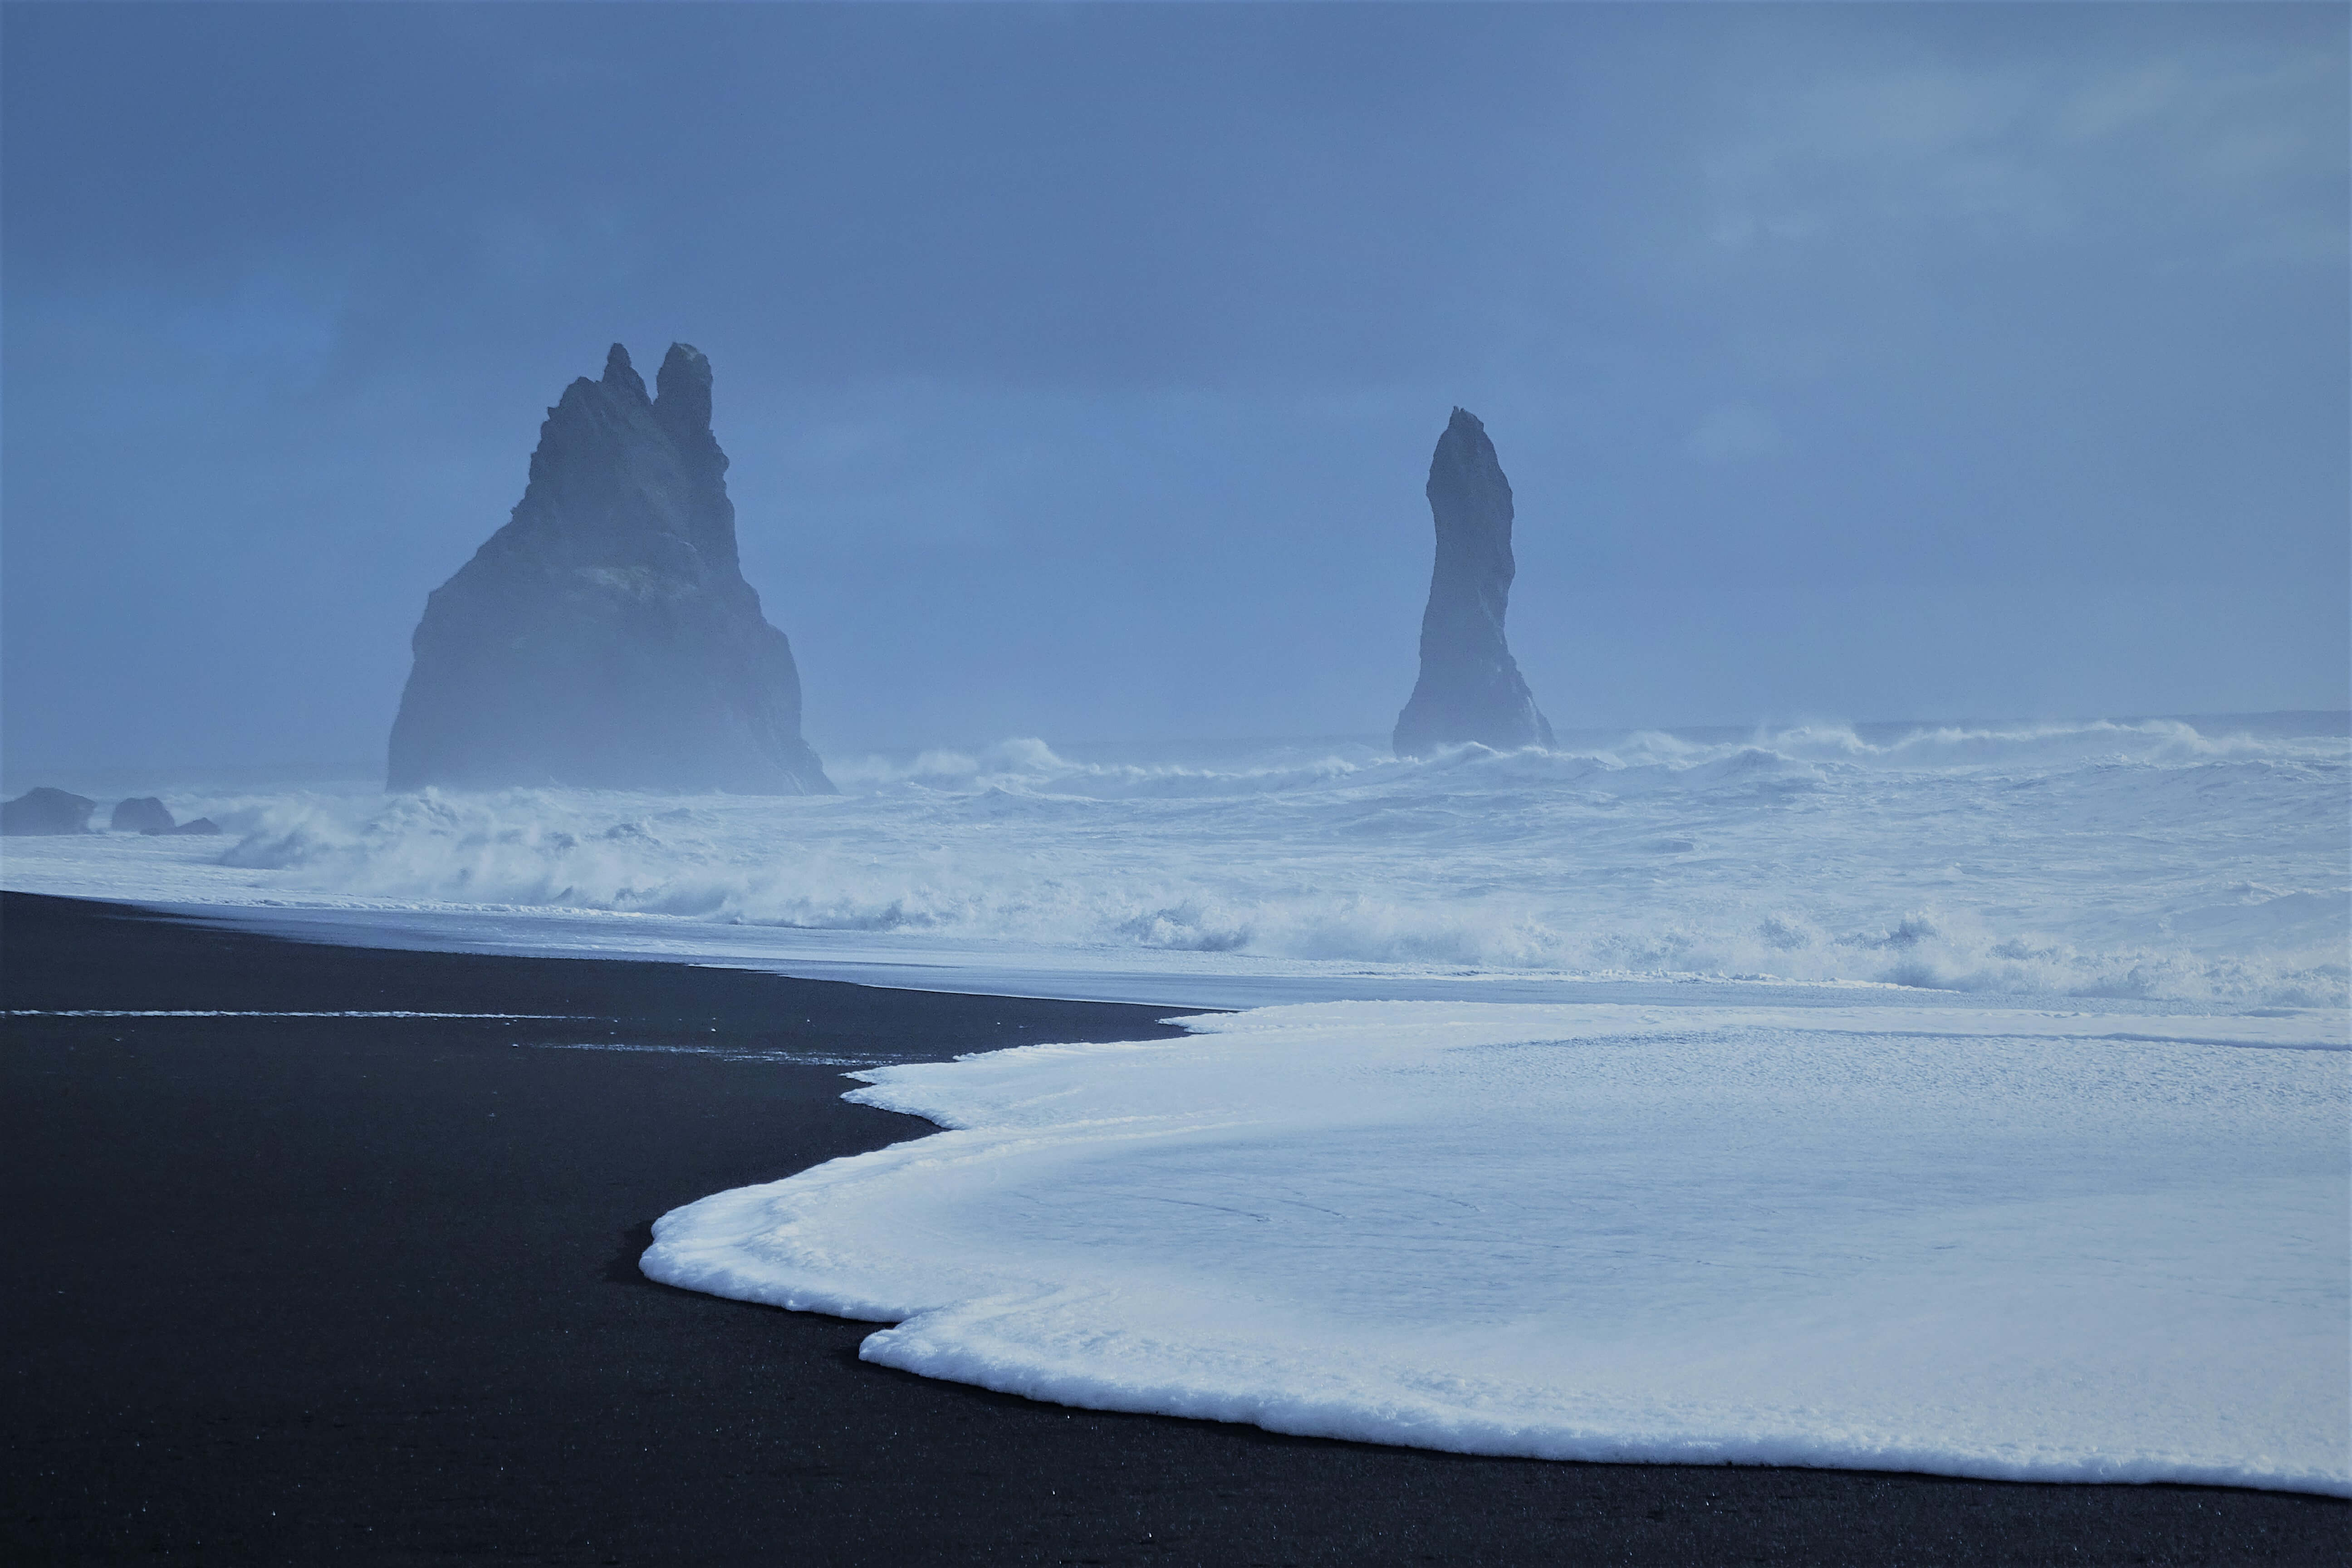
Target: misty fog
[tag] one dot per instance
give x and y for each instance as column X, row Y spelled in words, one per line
column 1079, row 366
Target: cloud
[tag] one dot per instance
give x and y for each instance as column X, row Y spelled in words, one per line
column 2225, row 150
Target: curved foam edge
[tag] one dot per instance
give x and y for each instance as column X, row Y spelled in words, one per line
column 919, row 1235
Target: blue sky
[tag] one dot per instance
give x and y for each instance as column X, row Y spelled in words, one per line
column 1080, row 365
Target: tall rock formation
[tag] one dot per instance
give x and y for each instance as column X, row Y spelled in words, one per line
column 604, row 637
column 1470, row 687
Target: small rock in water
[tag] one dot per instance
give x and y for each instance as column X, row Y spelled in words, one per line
column 202, row 824
column 45, row 810
column 144, row 814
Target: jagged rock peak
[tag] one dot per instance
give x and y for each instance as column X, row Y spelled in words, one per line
column 620, row 374
column 1470, row 688
column 682, row 391
column 605, row 636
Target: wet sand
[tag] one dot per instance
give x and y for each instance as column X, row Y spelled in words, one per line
column 340, row 1289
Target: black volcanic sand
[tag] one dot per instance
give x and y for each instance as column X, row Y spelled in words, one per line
column 317, row 1290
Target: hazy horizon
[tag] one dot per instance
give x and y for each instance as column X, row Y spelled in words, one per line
column 110, row 778
column 1079, row 367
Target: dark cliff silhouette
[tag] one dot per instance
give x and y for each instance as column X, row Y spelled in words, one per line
column 604, row 637
column 1470, row 687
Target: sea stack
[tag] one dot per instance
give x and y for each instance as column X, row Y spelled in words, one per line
column 605, row 637
column 142, row 814
column 45, row 811
column 1470, row 687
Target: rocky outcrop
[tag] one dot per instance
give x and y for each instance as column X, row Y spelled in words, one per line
column 1470, row 687
column 605, row 636
column 144, row 814
column 45, row 811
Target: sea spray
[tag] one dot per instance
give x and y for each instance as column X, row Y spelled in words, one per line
column 2156, row 860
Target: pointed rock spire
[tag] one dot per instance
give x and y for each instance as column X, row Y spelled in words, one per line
column 1470, row 687
column 620, row 375
column 682, row 396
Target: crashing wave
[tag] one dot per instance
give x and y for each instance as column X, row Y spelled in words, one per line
column 2150, row 859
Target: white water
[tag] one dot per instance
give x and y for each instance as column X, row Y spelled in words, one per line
column 1970, row 1123
column 2153, row 861
column 1989, row 1245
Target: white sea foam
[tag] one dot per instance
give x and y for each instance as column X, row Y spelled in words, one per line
column 1995, row 1244
column 2155, row 860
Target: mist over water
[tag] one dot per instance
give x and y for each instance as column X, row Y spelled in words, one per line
column 2207, row 862
column 1968, row 1097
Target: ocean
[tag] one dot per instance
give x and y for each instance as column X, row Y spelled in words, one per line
column 1961, row 1099
column 2162, row 862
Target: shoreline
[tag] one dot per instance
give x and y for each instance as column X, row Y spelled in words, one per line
column 292, row 1286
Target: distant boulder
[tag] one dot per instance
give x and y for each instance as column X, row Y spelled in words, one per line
column 1470, row 687
column 45, row 811
column 605, row 637
column 201, row 826
column 144, row 815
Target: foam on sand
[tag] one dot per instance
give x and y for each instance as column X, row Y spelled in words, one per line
column 2036, row 1245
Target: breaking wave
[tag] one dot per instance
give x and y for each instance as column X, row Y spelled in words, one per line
column 2154, row 859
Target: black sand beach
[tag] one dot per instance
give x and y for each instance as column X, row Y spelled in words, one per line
column 287, row 1290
